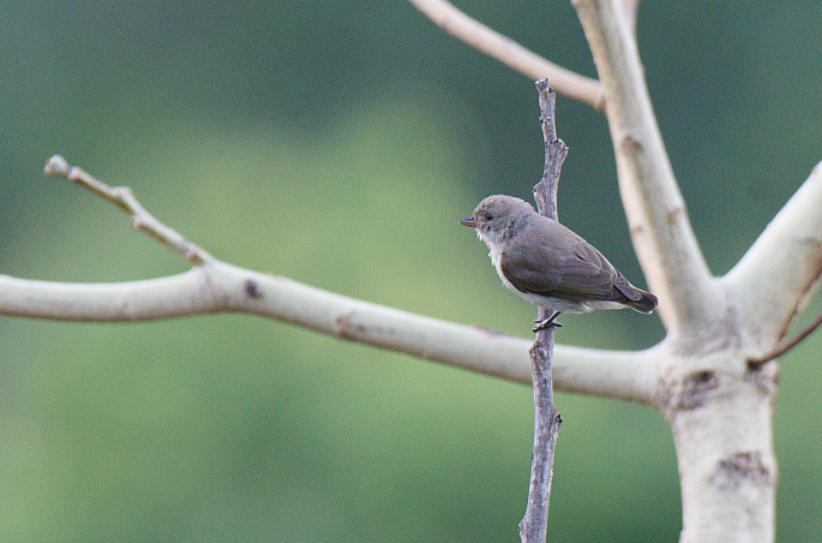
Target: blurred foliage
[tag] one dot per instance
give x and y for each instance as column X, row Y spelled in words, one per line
column 337, row 144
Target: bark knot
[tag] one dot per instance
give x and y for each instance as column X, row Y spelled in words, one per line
column 743, row 466
column 695, row 387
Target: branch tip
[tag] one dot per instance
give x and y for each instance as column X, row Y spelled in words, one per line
column 123, row 197
column 57, row 166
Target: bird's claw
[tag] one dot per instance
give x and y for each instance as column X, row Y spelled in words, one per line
column 550, row 322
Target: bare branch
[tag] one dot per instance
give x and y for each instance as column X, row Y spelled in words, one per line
column 510, row 53
column 658, row 221
column 624, row 375
column 533, row 526
column 545, row 192
column 794, row 236
column 216, row 287
column 189, row 293
column 123, row 198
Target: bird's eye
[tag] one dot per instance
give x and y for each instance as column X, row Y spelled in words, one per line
column 489, row 217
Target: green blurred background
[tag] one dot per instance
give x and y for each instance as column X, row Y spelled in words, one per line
column 338, row 143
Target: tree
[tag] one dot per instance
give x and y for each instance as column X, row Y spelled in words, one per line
column 703, row 377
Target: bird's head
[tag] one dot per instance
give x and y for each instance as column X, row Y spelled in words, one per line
column 496, row 217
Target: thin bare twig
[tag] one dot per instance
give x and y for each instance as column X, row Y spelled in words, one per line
column 533, row 526
column 787, row 345
column 123, row 198
column 511, row 53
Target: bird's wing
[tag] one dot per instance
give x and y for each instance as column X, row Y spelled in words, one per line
column 588, row 273
column 536, row 271
column 568, row 268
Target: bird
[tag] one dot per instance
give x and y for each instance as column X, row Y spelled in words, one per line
column 549, row 265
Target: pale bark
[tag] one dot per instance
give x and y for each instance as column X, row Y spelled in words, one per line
column 780, row 270
column 720, row 411
column 219, row 287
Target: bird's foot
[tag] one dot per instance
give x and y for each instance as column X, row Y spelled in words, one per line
column 550, row 322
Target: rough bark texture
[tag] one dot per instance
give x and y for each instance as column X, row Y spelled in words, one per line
column 533, row 526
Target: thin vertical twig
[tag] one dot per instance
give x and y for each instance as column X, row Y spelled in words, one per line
column 533, row 526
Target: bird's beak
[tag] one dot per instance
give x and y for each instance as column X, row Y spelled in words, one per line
column 470, row 222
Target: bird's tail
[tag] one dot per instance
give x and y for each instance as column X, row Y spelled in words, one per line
column 646, row 303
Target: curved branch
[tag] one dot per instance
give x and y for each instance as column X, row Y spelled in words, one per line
column 510, row 53
column 188, row 293
column 787, row 257
column 216, row 286
column 658, row 221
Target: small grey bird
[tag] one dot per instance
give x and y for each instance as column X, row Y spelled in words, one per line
column 549, row 265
